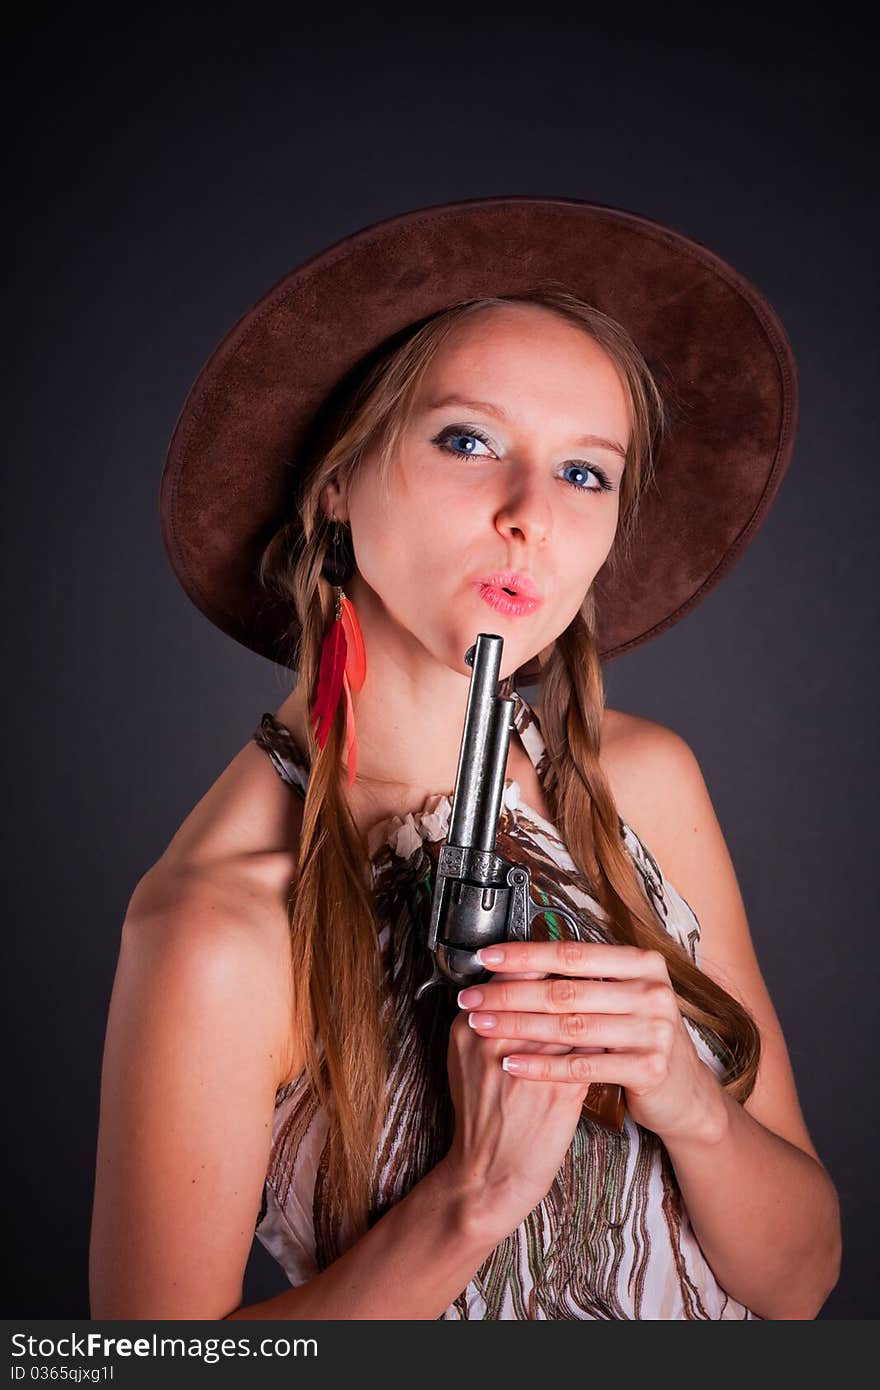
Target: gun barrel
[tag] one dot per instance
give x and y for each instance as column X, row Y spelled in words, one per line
column 479, row 783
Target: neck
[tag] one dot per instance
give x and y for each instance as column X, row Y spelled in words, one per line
column 409, row 716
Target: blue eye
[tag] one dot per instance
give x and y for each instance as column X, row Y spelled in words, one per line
column 457, row 432
column 605, row 483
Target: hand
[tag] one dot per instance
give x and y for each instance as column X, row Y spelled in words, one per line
column 616, row 1009
column 493, row 1162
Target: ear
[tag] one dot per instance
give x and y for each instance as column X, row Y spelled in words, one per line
column 332, row 501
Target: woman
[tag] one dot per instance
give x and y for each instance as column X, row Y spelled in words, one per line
column 480, row 425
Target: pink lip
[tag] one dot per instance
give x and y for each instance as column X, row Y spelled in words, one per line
column 512, row 606
column 522, row 584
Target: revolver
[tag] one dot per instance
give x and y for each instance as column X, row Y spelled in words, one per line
column 480, row 897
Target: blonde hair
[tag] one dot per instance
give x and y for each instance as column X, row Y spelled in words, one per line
column 336, row 977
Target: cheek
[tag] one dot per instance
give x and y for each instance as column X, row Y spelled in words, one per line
column 589, row 535
column 406, row 550
column 585, row 548
column 420, row 495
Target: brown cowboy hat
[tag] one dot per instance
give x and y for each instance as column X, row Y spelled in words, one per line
column 713, row 342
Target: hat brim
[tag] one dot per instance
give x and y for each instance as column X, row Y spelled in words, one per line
column 707, row 333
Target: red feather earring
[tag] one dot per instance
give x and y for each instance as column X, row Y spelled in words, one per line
column 343, row 663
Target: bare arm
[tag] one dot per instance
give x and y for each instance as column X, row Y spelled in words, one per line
column 763, row 1207
column 766, row 1214
column 191, row 1065
column 411, row 1265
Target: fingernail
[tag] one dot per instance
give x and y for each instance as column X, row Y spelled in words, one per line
column 489, row 955
column 482, row 1020
column 513, row 1064
column 470, row 998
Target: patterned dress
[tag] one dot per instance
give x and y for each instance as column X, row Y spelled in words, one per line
column 611, row 1239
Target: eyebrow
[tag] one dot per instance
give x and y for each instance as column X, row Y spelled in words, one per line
column 585, row 441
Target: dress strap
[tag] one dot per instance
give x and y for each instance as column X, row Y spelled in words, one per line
column 528, row 726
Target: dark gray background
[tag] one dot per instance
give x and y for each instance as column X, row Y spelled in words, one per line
column 164, row 171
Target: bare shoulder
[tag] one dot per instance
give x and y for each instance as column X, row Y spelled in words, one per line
column 219, row 893
column 213, row 924
column 638, row 757
column 620, row 728
column 661, row 793
column 193, row 1058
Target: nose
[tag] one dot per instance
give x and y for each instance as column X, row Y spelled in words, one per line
column 525, row 509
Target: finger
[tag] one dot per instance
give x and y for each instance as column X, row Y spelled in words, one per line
column 561, row 994
column 579, row 1068
column 526, row 975
column 598, row 959
column 627, row 1031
